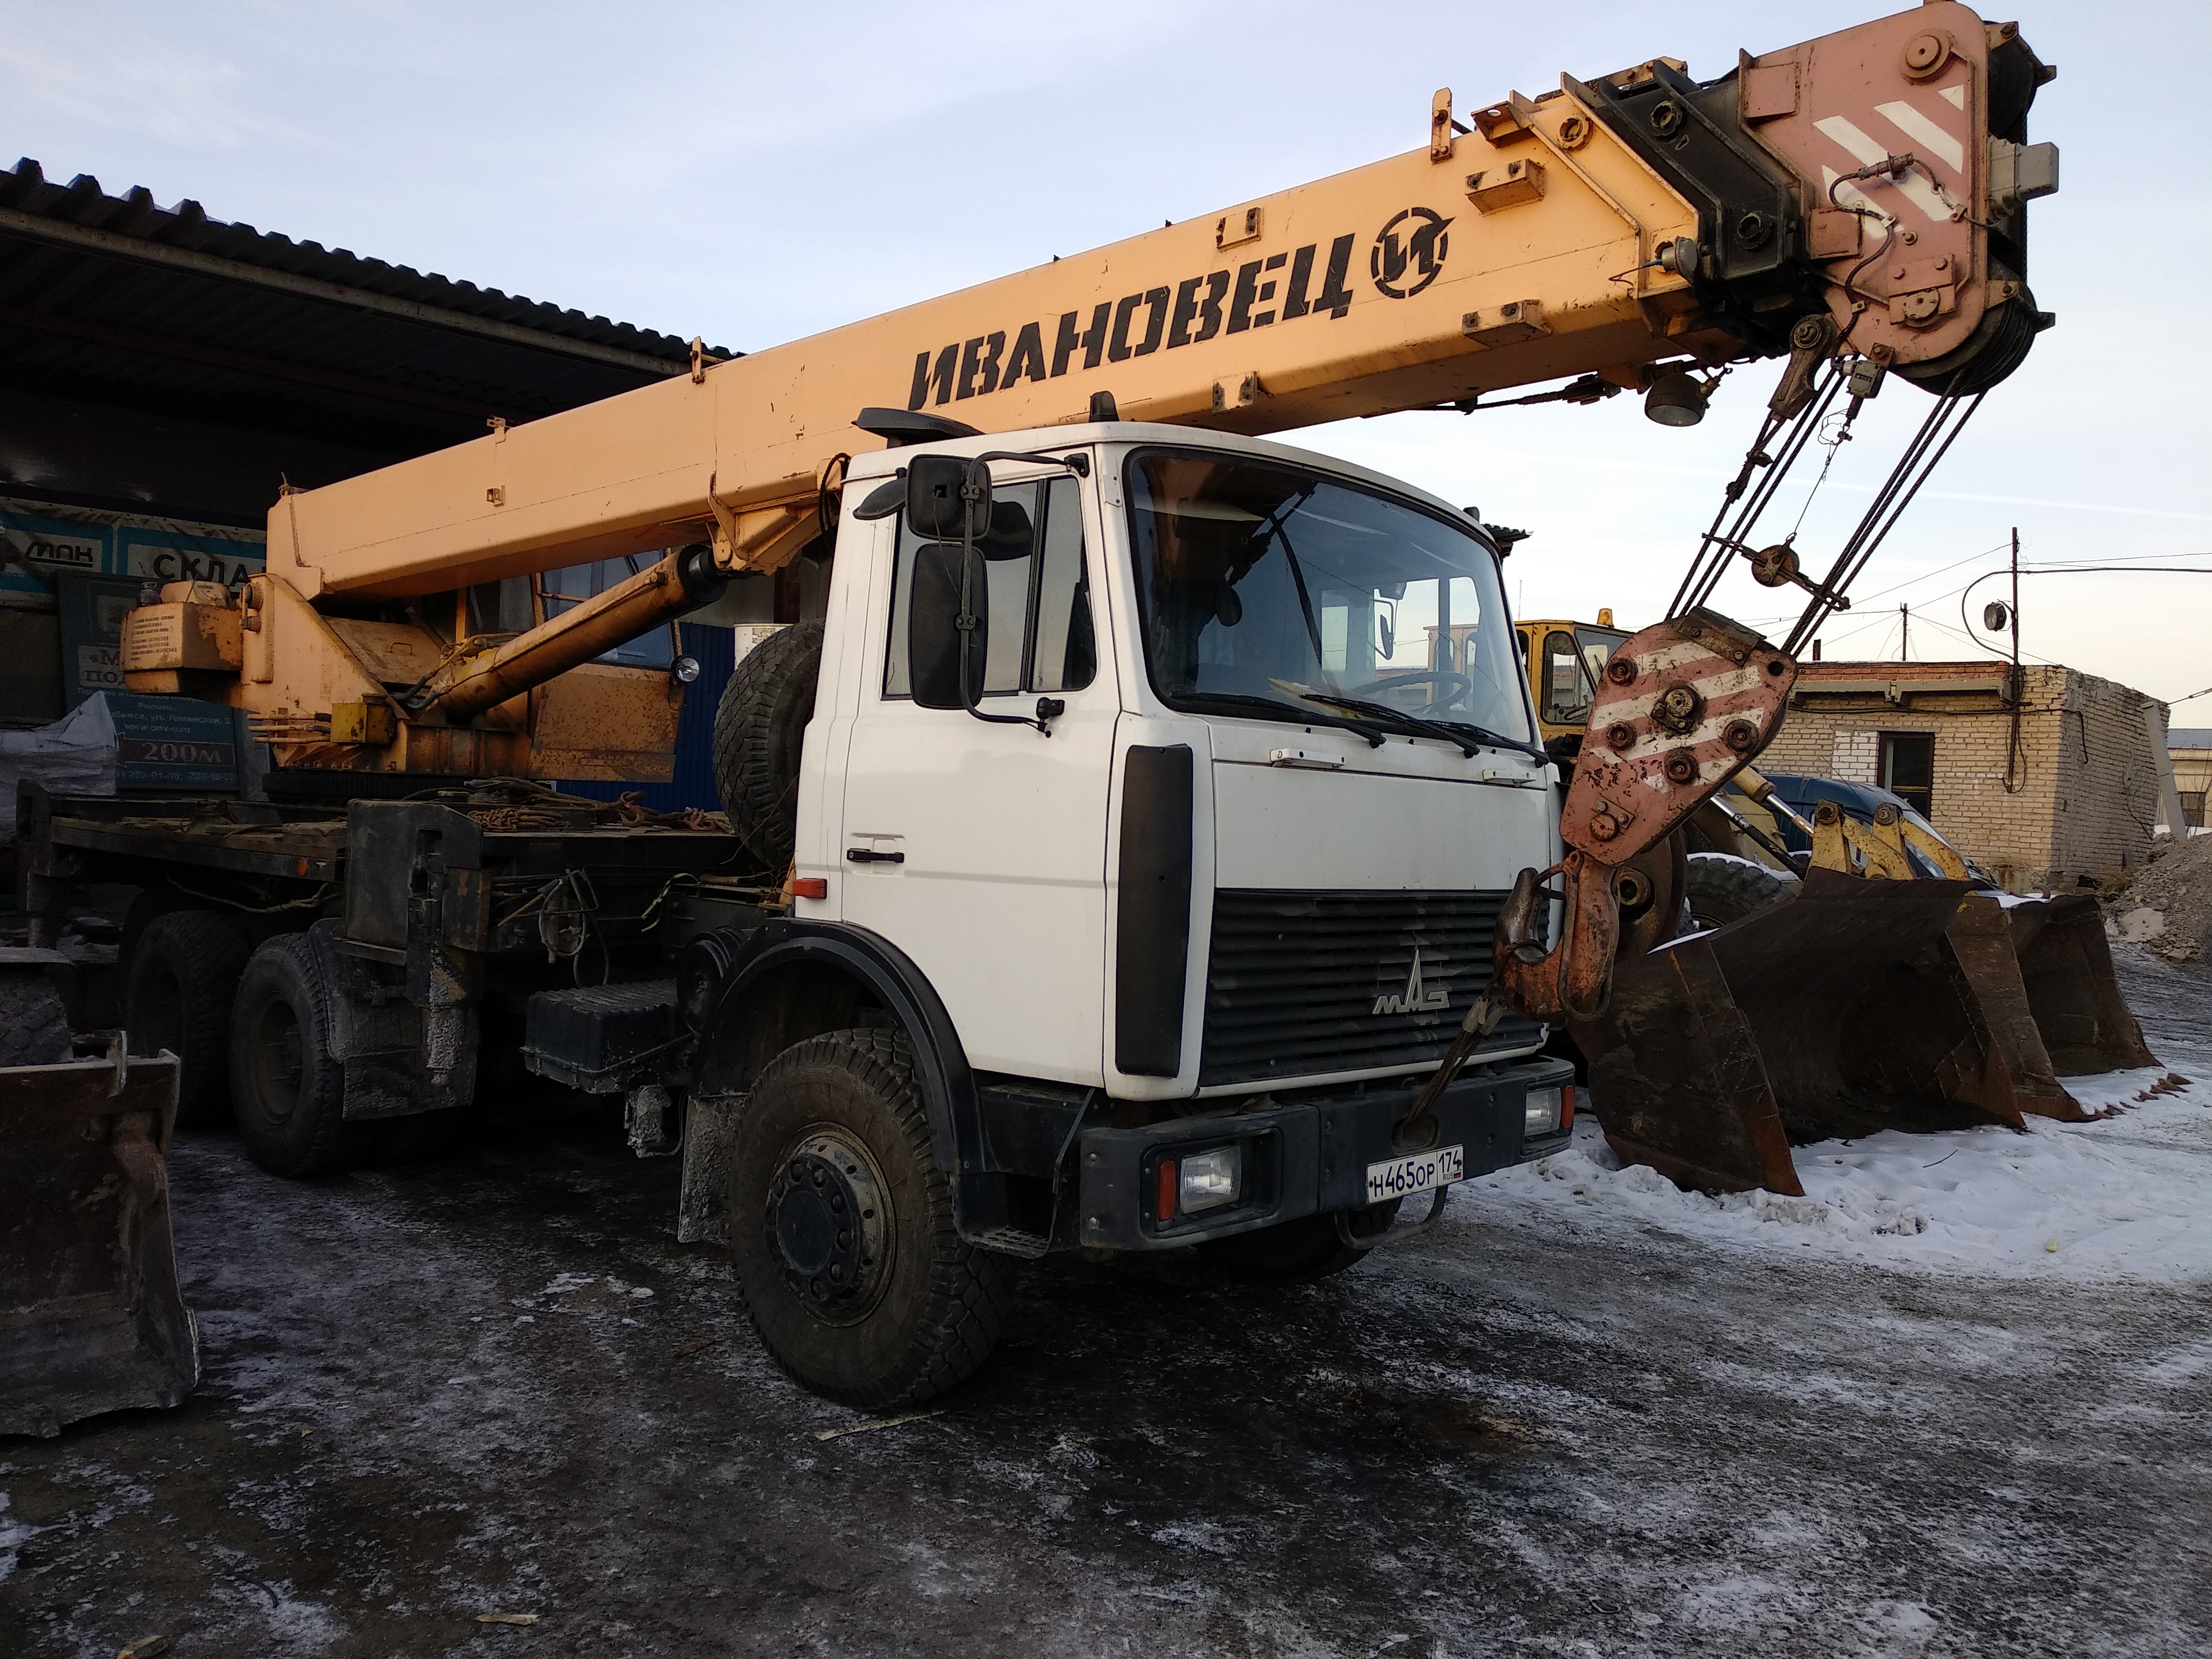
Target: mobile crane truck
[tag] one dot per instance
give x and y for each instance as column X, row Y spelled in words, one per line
column 1145, row 847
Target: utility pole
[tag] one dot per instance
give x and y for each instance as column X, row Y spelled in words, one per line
column 1905, row 632
column 2014, row 761
column 2015, row 614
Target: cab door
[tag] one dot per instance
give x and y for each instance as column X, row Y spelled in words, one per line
column 979, row 849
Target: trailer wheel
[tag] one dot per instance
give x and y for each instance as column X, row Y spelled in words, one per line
column 1722, row 888
column 177, row 990
column 288, row 1090
column 758, row 732
column 841, row 1228
column 1296, row 1252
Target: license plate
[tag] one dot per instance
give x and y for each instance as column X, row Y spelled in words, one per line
column 1401, row 1178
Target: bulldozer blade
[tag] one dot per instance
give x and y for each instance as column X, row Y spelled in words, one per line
column 2066, row 966
column 91, row 1317
column 1860, row 1005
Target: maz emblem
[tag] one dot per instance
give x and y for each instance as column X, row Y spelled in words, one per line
column 1414, row 999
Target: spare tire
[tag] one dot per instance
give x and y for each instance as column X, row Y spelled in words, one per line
column 758, row 732
column 1722, row 888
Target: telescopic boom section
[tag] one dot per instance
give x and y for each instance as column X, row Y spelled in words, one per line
column 1874, row 178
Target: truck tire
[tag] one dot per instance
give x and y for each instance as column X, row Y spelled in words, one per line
column 1722, row 889
column 758, row 732
column 841, row 1231
column 287, row 1089
column 1294, row 1252
column 178, row 984
column 34, row 1029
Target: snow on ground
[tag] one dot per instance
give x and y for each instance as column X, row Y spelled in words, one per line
column 2126, row 1196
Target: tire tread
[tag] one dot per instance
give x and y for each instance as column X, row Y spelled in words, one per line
column 758, row 730
column 333, row 1144
column 971, row 1291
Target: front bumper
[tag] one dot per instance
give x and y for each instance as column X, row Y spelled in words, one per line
column 1306, row 1157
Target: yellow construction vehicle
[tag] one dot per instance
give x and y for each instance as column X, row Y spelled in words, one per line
column 1566, row 662
column 1136, row 826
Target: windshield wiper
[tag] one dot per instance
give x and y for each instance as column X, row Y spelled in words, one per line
column 1464, row 735
column 1234, row 701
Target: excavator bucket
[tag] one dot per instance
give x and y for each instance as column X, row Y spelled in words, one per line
column 91, row 1317
column 2066, row 968
column 1858, row 1006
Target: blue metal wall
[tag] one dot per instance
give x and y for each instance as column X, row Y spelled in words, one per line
column 693, row 782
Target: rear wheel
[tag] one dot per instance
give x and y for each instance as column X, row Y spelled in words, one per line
column 1722, row 889
column 758, row 732
column 288, row 1090
column 177, row 990
column 841, row 1227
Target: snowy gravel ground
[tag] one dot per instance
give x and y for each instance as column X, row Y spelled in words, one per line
column 1589, row 1415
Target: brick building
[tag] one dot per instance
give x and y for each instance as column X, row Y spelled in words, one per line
column 2061, row 790
column 2192, row 749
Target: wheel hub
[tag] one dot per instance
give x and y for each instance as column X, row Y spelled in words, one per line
column 826, row 1225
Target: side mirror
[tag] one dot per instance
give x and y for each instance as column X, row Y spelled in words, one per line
column 938, row 648
column 947, row 499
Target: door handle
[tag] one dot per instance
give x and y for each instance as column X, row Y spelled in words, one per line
column 869, row 855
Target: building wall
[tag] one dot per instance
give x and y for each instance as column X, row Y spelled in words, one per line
column 2192, row 750
column 2077, row 801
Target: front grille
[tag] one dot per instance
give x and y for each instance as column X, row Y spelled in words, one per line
column 1297, row 984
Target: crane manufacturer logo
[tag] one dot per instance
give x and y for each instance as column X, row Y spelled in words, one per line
column 1416, row 998
column 1408, row 252
column 1275, row 289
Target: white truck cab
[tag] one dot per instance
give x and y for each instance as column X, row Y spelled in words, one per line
column 1166, row 596
column 1161, row 794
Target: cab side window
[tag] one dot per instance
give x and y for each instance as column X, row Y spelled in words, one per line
column 1566, row 680
column 1038, row 594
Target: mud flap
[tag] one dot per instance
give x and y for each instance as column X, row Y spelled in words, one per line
column 91, row 1317
column 2066, row 968
column 1858, row 1006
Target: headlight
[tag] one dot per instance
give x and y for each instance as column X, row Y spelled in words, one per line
column 686, row 669
column 1203, row 1181
column 1541, row 1111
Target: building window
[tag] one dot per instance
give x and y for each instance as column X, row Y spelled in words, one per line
column 1908, row 768
column 2192, row 808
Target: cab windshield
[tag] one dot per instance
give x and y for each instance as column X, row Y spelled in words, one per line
column 1258, row 581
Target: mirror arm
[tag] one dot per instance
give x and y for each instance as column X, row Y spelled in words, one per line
column 1079, row 463
column 966, row 624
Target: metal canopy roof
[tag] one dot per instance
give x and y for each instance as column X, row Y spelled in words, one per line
column 169, row 329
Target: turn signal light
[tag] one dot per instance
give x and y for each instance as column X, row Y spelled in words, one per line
column 1567, row 1106
column 811, row 887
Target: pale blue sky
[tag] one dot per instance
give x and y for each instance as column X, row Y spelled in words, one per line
column 754, row 173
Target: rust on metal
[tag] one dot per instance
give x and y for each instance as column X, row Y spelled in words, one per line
column 2066, row 969
column 1683, row 705
column 91, row 1317
column 1682, row 690
column 1860, row 1005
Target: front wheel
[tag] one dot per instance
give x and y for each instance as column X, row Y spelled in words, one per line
column 842, row 1229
